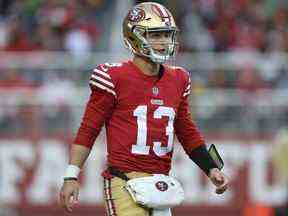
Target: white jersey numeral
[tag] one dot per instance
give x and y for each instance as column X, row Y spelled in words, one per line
column 140, row 148
column 158, row 114
column 141, row 145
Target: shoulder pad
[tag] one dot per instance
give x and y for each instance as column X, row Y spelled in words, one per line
column 186, row 80
column 102, row 79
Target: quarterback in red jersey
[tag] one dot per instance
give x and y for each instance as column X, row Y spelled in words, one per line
column 143, row 104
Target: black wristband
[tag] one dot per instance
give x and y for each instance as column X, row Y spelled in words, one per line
column 70, row 179
column 201, row 157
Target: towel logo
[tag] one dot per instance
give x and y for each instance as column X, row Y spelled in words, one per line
column 161, row 186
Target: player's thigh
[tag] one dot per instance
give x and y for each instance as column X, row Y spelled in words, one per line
column 118, row 201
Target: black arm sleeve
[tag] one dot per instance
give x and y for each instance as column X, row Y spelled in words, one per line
column 201, row 157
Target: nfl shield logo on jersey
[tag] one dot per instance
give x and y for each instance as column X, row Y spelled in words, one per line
column 155, row 91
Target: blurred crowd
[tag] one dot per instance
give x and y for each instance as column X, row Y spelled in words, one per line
column 206, row 26
column 76, row 26
column 237, row 26
column 82, row 26
column 57, row 25
column 223, row 25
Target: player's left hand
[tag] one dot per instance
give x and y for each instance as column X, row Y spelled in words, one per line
column 219, row 180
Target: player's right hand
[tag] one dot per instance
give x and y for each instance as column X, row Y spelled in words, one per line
column 69, row 194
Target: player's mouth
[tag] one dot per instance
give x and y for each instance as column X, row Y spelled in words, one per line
column 160, row 51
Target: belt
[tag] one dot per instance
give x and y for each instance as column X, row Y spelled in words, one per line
column 118, row 173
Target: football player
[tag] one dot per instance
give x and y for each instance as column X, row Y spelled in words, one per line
column 143, row 104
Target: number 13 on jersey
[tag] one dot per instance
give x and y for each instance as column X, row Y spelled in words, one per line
column 141, row 146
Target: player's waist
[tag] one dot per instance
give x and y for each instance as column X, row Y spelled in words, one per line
column 115, row 172
column 121, row 172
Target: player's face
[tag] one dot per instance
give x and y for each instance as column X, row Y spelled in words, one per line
column 160, row 40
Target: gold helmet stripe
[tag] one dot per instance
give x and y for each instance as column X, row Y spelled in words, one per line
column 162, row 12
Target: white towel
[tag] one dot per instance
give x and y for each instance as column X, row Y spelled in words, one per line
column 162, row 212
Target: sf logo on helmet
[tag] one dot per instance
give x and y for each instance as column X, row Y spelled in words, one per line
column 136, row 15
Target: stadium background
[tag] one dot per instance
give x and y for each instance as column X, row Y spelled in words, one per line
column 236, row 51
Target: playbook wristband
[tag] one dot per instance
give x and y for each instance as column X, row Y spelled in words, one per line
column 71, row 173
column 202, row 158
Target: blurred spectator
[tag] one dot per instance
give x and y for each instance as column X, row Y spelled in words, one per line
column 78, row 42
column 3, row 35
column 249, row 79
column 196, row 37
column 51, row 42
column 282, row 79
column 19, row 40
column 217, row 79
column 13, row 79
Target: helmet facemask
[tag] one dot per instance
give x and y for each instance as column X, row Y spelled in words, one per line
column 170, row 45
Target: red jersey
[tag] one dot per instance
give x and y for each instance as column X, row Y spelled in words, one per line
column 141, row 115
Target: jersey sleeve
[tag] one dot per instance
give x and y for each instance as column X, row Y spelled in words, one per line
column 185, row 128
column 98, row 108
column 101, row 79
column 187, row 87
